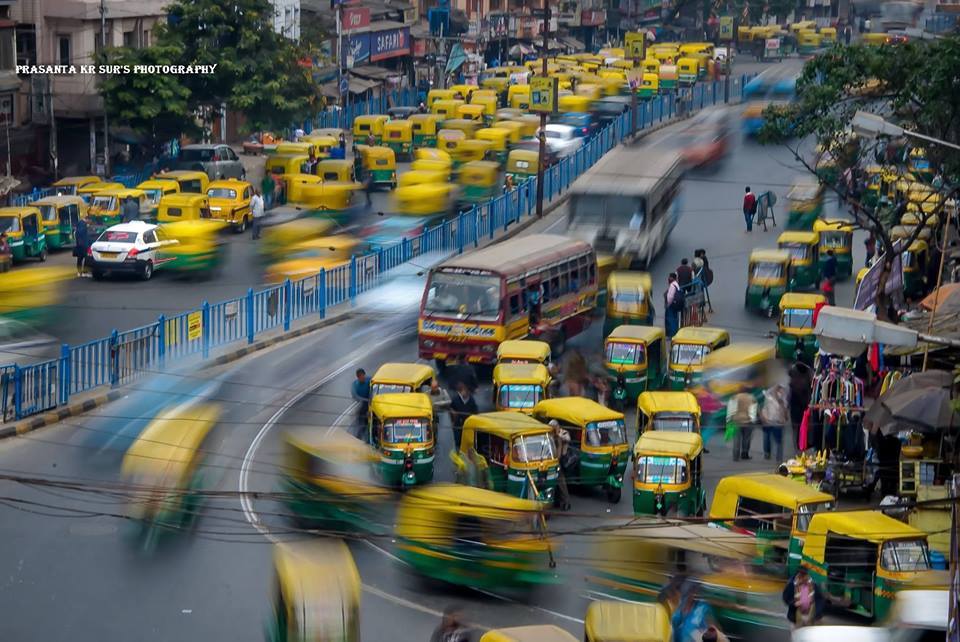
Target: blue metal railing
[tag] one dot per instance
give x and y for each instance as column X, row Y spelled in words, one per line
column 124, row 356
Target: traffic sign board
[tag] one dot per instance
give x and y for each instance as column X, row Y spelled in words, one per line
column 726, row 28
column 344, row 85
column 543, row 94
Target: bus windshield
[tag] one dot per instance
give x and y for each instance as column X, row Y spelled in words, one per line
column 688, row 354
column 397, row 431
column 462, row 294
column 606, row 433
column 625, row 353
column 520, row 395
column 531, row 448
column 608, row 211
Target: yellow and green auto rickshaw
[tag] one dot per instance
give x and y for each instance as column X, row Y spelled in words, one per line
column 774, row 509
column 464, row 89
column 155, row 189
column 420, row 177
column 768, row 277
column 523, row 351
column 87, row 191
column 189, row 180
column 489, row 101
column 808, row 42
column 329, row 481
column 378, row 165
column 688, row 70
column 513, row 128
column 431, row 200
column 522, row 165
column 518, row 451
column 446, row 109
column 424, row 129
column 106, row 207
column 574, row 103
column 402, row 429
column 828, row 35
column 449, row 139
column 649, row 86
column 60, row 215
column 675, row 411
column 33, row 296
column 370, row 125
column 668, row 474
column 473, row 537
column 470, row 150
column 861, row 558
column 499, row 140
column 69, row 185
column 438, row 94
column 837, row 235
column 284, row 164
column 471, row 112
column 806, row 205
column 479, row 181
column 468, row 126
column 795, row 338
column 335, row 170
column 25, row 235
column 616, row 621
column 316, row 592
column 401, row 377
column 598, row 437
column 518, row 97
column 919, row 164
column 398, row 136
column 165, row 467
column 804, row 249
column 629, row 300
column 520, row 386
column 688, row 348
column 638, row 354
column 322, row 143
column 306, row 258
column 530, row 633
column 199, row 250
column 184, row 207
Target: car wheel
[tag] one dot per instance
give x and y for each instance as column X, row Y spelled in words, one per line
column 146, row 273
column 243, row 226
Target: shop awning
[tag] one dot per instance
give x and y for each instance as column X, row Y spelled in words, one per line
column 372, row 72
column 521, row 49
column 357, row 86
column 572, row 43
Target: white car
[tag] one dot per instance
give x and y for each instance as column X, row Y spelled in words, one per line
column 135, row 248
column 563, row 140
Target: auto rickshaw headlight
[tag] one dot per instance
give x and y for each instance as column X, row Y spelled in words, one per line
column 428, row 343
column 488, row 347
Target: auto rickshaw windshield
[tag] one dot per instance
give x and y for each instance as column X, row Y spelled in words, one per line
column 834, row 239
column 9, row 224
column 796, row 250
column 688, row 354
column 153, row 195
column 520, row 395
column 104, row 203
column 627, row 354
column 533, row 448
column 398, row 431
column 48, row 212
column 806, row 512
column 797, row 318
column 905, row 556
column 657, row 469
column 676, row 421
column 763, row 270
column 606, row 433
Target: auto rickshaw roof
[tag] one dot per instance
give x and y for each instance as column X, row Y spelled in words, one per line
column 17, row 211
column 739, row 354
column 57, row 200
column 158, row 183
column 802, row 300
column 537, row 633
column 402, row 404
column 432, row 154
column 493, row 133
column 164, row 450
column 471, row 108
column 398, row 124
column 312, row 575
column 340, row 163
column 700, row 335
column 698, row 538
column 77, row 180
column 795, row 236
column 870, row 525
column 371, row 118
column 654, row 401
column 769, row 256
column 228, row 183
column 669, row 442
column 423, row 117
column 470, row 500
column 184, row 198
column 286, row 158
column 615, row 621
column 804, row 191
column 298, row 147
column 523, row 154
column 336, row 445
column 406, row 373
column 519, row 373
column 378, row 151
column 524, row 349
column 182, row 174
column 505, row 424
column 768, row 487
column 645, row 333
column 629, row 279
column 576, row 410
column 833, row 225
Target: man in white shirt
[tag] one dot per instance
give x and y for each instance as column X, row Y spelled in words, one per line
column 256, row 210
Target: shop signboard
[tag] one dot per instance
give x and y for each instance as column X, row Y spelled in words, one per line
column 356, row 18
column 358, row 49
column 389, row 43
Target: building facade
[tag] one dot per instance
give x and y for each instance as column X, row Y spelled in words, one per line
column 286, row 18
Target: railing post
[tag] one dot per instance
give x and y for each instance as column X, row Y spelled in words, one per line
column 491, row 215
column 475, row 224
column 353, row 279
column 17, row 392
column 322, row 293
column 287, row 304
column 161, row 339
column 114, row 358
column 205, row 328
column 250, row 316
column 460, row 233
column 63, row 384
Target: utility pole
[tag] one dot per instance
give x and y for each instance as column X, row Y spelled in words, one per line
column 343, row 96
column 543, row 114
column 106, row 122
column 54, row 153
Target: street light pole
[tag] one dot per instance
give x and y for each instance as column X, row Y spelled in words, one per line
column 872, row 125
column 543, row 115
column 106, row 122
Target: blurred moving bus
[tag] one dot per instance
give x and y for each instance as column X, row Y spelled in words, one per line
column 542, row 286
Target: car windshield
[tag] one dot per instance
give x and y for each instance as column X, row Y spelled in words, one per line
column 222, row 192
column 612, row 211
column 48, row 212
column 606, row 433
column 688, row 354
column 532, row 448
column 463, row 294
column 766, row 270
column 154, row 195
column 797, row 319
column 383, row 388
column 196, row 155
column 661, row 470
column 905, row 556
column 104, row 202
column 520, row 395
column 115, row 236
column 797, row 251
column 806, row 512
column 627, row 354
column 676, row 421
column 9, row 224
column 397, row 431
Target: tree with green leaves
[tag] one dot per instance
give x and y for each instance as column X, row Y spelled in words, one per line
column 913, row 84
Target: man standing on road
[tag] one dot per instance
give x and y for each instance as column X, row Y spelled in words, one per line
column 673, row 306
column 256, row 211
column 266, row 186
column 742, row 413
column 684, row 273
column 829, row 277
column 360, row 393
column 773, row 417
column 130, row 210
column 462, row 405
column 749, row 208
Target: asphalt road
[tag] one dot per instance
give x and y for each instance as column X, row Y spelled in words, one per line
column 73, row 573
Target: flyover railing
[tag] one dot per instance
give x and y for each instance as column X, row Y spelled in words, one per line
column 128, row 355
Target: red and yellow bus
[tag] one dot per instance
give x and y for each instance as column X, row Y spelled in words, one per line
column 542, row 286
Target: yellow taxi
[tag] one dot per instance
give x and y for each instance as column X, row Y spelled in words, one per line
column 230, row 202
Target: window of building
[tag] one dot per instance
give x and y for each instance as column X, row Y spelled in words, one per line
column 145, row 42
column 8, row 59
column 6, row 109
column 26, row 45
column 130, row 38
column 63, row 49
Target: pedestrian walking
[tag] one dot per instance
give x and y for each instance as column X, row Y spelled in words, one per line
column 81, row 243
column 451, row 627
column 742, row 414
column 562, row 441
column 462, row 405
column 266, row 188
column 673, row 300
column 773, row 417
column 749, row 208
column 804, row 599
column 870, row 245
column 829, row 274
column 256, row 211
column 684, row 273
column 130, row 210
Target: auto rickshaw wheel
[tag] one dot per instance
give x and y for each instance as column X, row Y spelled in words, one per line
column 614, row 494
column 43, row 255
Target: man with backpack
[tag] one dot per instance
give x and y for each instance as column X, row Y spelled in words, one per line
column 749, row 208
column 674, row 301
